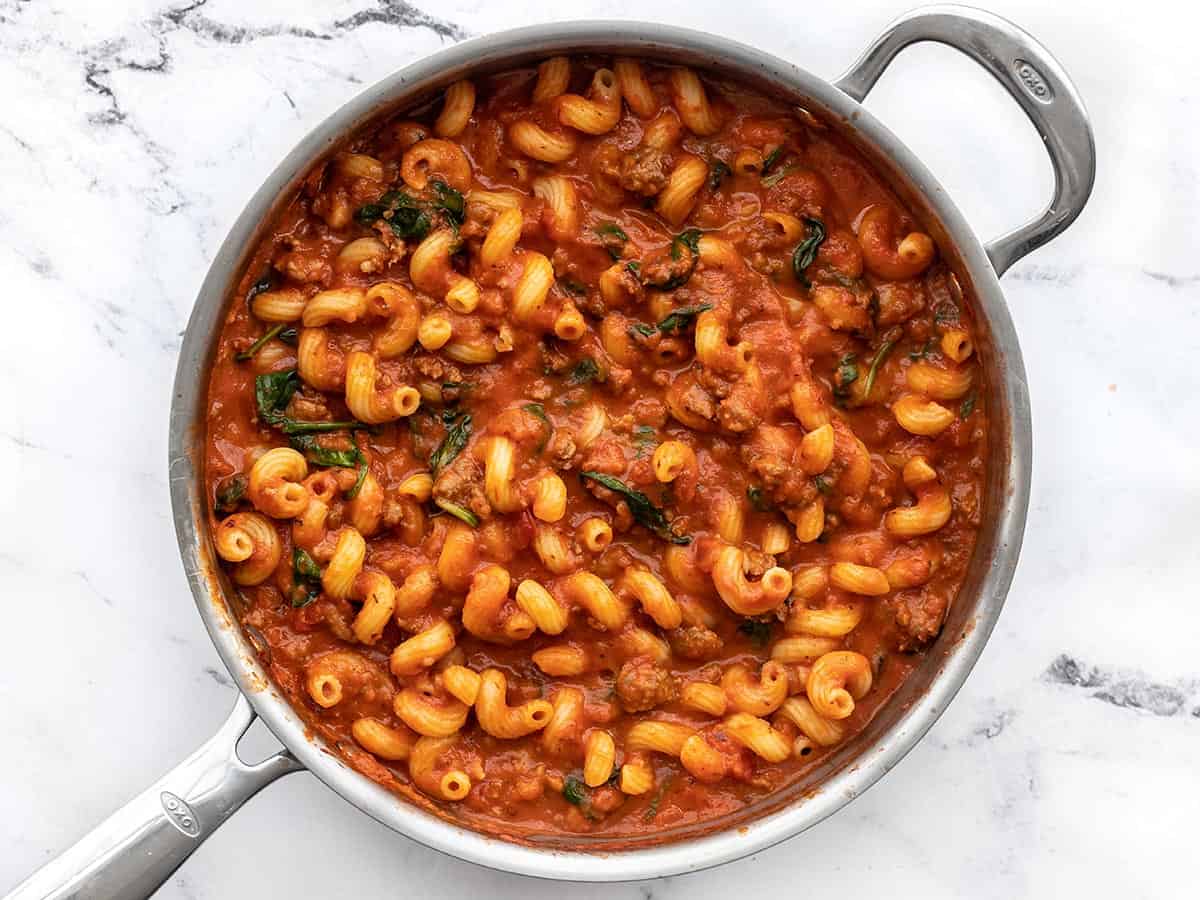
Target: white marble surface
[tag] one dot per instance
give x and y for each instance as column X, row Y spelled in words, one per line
column 131, row 133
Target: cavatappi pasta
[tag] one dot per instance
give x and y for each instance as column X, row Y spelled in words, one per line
column 595, row 449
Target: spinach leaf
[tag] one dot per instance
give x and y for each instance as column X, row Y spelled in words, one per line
column 968, row 406
column 846, row 375
column 449, row 202
column 806, row 251
column 635, row 267
column 324, row 456
column 407, row 217
column 880, row 356
column 923, row 352
column 458, row 512
column 574, row 790
column 261, row 286
column 539, row 411
column 652, row 808
column 584, row 371
column 272, row 391
column 296, row 426
column 775, row 177
column 536, row 409
column 306, row 579
column 452, row 445
column 682, row 317
column 230, row 492
column 613, row 238
column 689, row 239
column 758, row 499
column 717, row 170
column 757, row 630
column 773, row 157
column 573, row 287
column 642, row 329
column 249, row 352
column 644, row 512
column 363, row 468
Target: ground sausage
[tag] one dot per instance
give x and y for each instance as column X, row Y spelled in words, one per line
column 695, row 642
column 645, row 171
column 642, row 684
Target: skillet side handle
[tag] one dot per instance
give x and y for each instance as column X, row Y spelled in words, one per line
column 1032, row 77
column 132, row 852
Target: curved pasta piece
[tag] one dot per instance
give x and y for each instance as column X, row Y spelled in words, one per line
column 742, row 596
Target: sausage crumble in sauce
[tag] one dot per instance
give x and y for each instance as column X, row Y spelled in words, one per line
column 594, row 449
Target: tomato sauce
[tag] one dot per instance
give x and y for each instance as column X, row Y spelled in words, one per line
column 835, row 324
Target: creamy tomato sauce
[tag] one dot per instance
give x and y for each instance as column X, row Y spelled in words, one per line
column 833, row 316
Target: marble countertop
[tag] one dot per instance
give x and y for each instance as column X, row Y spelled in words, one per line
column 131, row 134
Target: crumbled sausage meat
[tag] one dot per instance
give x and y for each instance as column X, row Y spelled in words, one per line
column 461, row 483
column 642, row 684
column 645, row 171
column 695, row 642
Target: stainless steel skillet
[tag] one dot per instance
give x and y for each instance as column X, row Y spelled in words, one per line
column 138, row 847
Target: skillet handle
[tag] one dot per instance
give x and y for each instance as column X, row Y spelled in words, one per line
column 132, row 852
column 1032, row 77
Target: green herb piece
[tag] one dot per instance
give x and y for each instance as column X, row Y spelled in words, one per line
column 821, row 483
column 575, row 288
column 458, row 512
column 682, row 317
column 261, row 286
column 536, row 409
column 574, row 790
column 296, row 426
column 539, row 411
column 306, row 579
column 644, row 437
column 923, row 352
column 407, row 217
column 613, row 238
column 644, row 512
column 717, row 170
column 775, row 177
column 757, row 630
column 452, row 445
column 449, row 202
column 846, row 375
column 773, row 157
column 758, row 499
column 363, row 468
column 634, row 267
column 880, row 356
column 641, row 328
column 324, row 456
column 652, row 808
column 686, row 241
column 806, row 251
column 689, row 239
column 584, row 371
column 230, row 492
column 968, row 406
column 249, row 352
column 272, row 391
